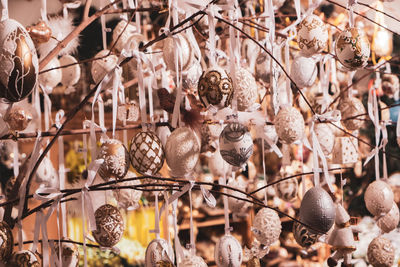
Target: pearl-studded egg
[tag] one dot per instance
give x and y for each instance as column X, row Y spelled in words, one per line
column 312, row 35
column 6, row 242
column 236, row 144
column 24, row 258
column 193, row 261
column 381, row 252
column 158, row 251
column 116, row 159
column 128, row 198
column 352, row 48
column 389, row 222
column 110, row 226
column 267, row 226
column 215, row 88
column 182, row 151
column 303, row 236
column 228, row 252
column 246, row 89
column 289, row 125
column 101, row 67
column 303, row 71
column 325, row 137
column 352, row 111
column 53, row 77
column 147, row 153
column 317, row 210
column 69, row 253
column 18, row 61
column 170, row 51
column 378, row 198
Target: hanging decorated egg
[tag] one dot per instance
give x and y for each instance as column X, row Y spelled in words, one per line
column 116, row 159
column 18, row 61
column 46, row 174
column 6, row 241
column 352, row 111
column 147, row 153
column 317, row 210
column 191, row 77
column 50, row 79
column 287, row 189
column 218, row 166
column 352, row 48
column 390, row 84
column 325, row 137
column 312, row 35
column 289, row 125
column 102, row 66
column 303, row 236
column 215, row 88
column 237, row 205
column 24, row 258
column 185, row 57
column 158, row 251
column 267, row 226
column 378, row 198
column 236, row 144
column 109, row 224
column 381, row 252
column 389, row 222
column 228, row 252
column 246, row 89
column 193, row 261
column 18, row 118
column 128, row 112
column 122, row 33
column 303, row 71
column 69, row 253
column 128, row 198
column 182, row 151
column 71, row 74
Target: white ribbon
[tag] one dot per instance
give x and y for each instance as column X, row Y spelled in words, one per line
column 178, row 248
column 116, row 84
column 212, row 12
column 398, row 128
column 156, row 229
column 373, row 113
column 4, row 10
column 192, row 242
column 222, row 181
column 351, row 4
column 42, row 218
column 15, row 159
column 43, row 10
column 72, row 5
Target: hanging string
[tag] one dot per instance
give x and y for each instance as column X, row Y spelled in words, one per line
column 192, row 242
column 351, row 4
column 43, row 10
column 4, row 10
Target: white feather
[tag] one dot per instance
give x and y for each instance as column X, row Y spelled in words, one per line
column 60, row 27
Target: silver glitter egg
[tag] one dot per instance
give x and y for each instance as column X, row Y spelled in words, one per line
column 379, row 198
column 228, row 252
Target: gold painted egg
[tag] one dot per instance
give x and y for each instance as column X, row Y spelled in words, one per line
column 352, row 48
column 110, row 226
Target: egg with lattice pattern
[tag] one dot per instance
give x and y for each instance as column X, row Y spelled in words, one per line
column 228, row 252
column 352, row 48
column 147, row 153
column 381, row 252
column 312, row 35
column 109, row 226
column 267, row 226
column 116, row 159
column 6, row 241
column 289, row 125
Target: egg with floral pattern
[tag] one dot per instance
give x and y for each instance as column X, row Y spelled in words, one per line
column 312, row 35
column 352, row 48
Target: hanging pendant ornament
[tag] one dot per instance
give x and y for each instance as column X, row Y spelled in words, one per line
column 390, row 85
column 312, row 35
column 236, row 144
column 71, row 74
column 122, row 34
column 390, row 221
column 18, row 61
column 228, row 252
column 109, row 224
column 379, row 198
column 289, row 125
column 128, row 198
column 352, row 48
column 193, row 261
column 6, row 242
column 18, row 118
column 237, row 205
column 24, row 258
column 186, row 52
column 287, row 189
column 103, row 65
column 215, row 88
column 52, row 78
column 303, row 236
column 116, row 160
column 381, row 252
column 147, row 153
column 325, row 137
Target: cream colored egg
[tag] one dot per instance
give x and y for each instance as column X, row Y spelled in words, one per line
column 303, row 71
column 312, row 35
column 158, row 251
column 390, row 221
column 53, row 77
column 352, row 111
column 71, row 74
column 178, row 47
column 25, row 258
column 246, row 89
column 267, row 226
column 381, row 252
column 228, row 252
column 193, row 261
column 352, row 48
column 289, row 125
column 379, row 198
column 103, row 65
column 123, row 32
column 128, row 198
column 218, row 166
column 325, row 137
column 69, row 253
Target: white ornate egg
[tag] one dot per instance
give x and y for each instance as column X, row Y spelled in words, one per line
column 123, row 32
column 191, row 77
column 267, row 226
column 390, row 221
column 352, row 48
column 312, row 35
column 110, row 226
column 116, row 159
column 228, row 252
column 158, row 251
column 182, row 151
column 289, row 125
column 317, row 210
column 46, row 174
column 6, row 241
column 325, row 137
column 215, row 88
column 101, row 67
column 303, row 71
column 69, row 253
column 71, row 74
column 170, row 51
column 262, row 68
column 378, row 198
column 24, row 258
column 128, row 198
column 53, row 77
column 381, row 252
column 147, row 153
column 236, row 144
column 352, row 112
column 246, row 89
column 193, row 261
column 19, row 64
